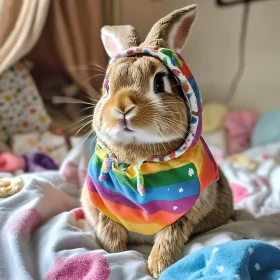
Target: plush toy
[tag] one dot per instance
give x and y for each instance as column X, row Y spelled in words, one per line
column 239, row 127
column 11, row 163
column 267, row 129
column 34, row 163
column 244, row 161
column 10, row 186
column 213, row 115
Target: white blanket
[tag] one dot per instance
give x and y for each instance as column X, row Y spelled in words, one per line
column 43, row 233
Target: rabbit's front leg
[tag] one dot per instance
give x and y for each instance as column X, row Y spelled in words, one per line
column 111, row 235
column 168, row 246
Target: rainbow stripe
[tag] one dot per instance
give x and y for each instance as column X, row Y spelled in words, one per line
column 172, row 188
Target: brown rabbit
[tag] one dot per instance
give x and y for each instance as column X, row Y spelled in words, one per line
column 144, row 114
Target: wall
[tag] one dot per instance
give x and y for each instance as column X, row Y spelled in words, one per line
column 212, row 49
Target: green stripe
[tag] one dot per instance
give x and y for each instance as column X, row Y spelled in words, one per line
column 97, row 148
column 122, row 178
column 158, row 179
column 96, row 160
column 161, row 178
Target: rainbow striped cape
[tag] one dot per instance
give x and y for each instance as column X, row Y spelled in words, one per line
column 154, row 194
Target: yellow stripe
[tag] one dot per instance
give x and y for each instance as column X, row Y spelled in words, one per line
column 146, row 229
column 196, row 156
column 192, row 155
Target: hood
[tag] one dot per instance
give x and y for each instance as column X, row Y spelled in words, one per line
column 179, row 68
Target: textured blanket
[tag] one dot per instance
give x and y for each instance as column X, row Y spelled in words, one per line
column 43, row 234
column 244, row 259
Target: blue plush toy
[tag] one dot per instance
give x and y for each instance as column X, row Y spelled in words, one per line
column 267, row 129
column 235, row 260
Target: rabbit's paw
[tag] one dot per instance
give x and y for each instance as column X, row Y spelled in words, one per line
column 111, row 235
column 158, row 261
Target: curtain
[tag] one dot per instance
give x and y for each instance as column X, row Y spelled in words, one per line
column 21, row 23
column 59, row 35
column 71, row 40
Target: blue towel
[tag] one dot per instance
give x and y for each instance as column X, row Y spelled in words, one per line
column 234, row 260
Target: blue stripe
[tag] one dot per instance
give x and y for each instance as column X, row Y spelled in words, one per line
column 195, row 89
column 169, row 193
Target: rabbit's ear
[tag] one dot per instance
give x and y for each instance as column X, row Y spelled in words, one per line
column 172, row 31
column 118, row 38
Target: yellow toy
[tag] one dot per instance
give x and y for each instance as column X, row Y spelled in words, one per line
column 10, row 186
column 213, row 115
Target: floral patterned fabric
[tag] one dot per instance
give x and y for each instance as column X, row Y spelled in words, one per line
column 21, row 108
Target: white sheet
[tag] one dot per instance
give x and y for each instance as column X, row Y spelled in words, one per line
column 43, row 234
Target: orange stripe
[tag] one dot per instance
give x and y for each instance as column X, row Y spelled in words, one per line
column 146, row 229
column 205, row 180
column 207, row 170
column 129, row 214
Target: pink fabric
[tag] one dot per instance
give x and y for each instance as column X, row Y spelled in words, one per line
column 79, row 214
column 239, row 192
column 93, row 266
column 23, row 223
column 239, row 127
column 11, row 163
column 73, row 174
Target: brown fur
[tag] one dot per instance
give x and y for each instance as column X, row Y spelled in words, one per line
column 160, row 33
column 213, row 208
column 112, row 236
column 132, row 91
column 126, row 35
column 164, row 114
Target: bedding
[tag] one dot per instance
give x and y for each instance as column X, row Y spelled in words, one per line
column 43, row 234
column 21, row 107
column 249, row 259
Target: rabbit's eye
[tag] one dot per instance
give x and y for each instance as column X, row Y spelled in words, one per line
column 106, row 93
column 159, row 83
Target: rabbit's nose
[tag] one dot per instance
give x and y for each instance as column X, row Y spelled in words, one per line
column 127, row 113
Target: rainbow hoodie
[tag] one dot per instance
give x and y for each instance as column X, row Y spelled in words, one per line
column 155, row 193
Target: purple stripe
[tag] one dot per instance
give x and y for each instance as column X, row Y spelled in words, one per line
column 183, row 205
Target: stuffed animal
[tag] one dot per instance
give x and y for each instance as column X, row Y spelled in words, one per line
column 239, row 128
column 268, row 122
column 10, row 186
column 213, row 114
column 34, row 163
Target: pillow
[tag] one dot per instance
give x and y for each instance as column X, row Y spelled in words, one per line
column 21, row 107
column 267, row 129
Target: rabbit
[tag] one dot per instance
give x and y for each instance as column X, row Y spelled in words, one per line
column 141, row 104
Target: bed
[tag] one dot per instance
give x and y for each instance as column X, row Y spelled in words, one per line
column 44, row 234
